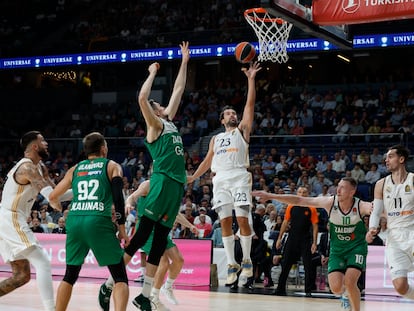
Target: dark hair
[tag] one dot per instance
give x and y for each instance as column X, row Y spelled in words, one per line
column 151, row 102
column 92, row 143
column 351, row 180
column 401, row 151
column 28, row 138
column 224, row 109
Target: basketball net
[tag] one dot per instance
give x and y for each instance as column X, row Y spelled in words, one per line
column 272, row 32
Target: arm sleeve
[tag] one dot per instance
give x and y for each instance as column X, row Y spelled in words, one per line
column 118, row 198
column 374, row 218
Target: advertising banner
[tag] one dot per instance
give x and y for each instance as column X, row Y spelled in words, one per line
column 195, row 272
column 334, row 12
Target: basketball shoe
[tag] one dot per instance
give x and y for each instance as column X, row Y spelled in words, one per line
column 142, row 302
column 169, row 294
column 232, row 271
column 157, row 305
column 246, row 272
column 345, row 304
column 104, row 297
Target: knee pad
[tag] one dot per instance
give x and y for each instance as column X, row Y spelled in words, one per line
column 118, row 272
column 71, row 274
column 225, row 211
column 157, row 249
column 242, row 211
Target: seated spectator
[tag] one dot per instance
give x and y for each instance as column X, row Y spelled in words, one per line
column 357, row 173
column 356, row 129
column 45, row 220
column 383, row 230
column 188, row 214
column 318, row 182
column 216, row 236
column 387, row 129
column 61, row 228
column 188, row 203
column 375, row 156
column 373, row 175
column 128, row 164
column 268, row 168
column 36, row 227
column 201, row 125
column 342, row 130
column 202, row 212
column 129, row 127
column 205, row 229
column 338, row 165
column 374, row 128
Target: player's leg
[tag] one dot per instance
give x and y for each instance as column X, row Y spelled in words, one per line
column 243, row 214
column 44, row 280
column 176, row 262
column 225, row 213
column 65, row 287
column 158, row 280
column 20, row 276
column 121, row 289
column 142, row 269
column 157, row 249
column 399, row 261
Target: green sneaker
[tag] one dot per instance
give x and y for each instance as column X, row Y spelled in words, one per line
column 143, row 303
column 104, row 297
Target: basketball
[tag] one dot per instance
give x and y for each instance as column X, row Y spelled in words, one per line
column 244, row 52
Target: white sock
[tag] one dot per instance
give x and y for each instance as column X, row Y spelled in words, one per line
column 147, row 286
column 43, row 277
column 155, row 292
column 228, row 243
column 109, row 282
column 169, row 282
column 143, row 270
column 410, row 292
column 246, row 245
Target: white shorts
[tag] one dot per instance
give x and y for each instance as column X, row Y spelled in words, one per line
column 233, row 187
column 399, row 252
column 16, row 238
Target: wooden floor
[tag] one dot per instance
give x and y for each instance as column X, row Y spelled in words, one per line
column 84, row 298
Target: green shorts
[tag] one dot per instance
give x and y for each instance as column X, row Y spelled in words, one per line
column 96, row 233
column 163, row 200
column 348, row 258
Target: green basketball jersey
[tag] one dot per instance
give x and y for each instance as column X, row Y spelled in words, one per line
column 92, row 194
column 167, row 153
column 347, row 231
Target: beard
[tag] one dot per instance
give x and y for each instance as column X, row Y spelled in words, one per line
column 232, row 123
column 44, row 154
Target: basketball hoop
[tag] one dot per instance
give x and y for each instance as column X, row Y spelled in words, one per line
column 272, row 32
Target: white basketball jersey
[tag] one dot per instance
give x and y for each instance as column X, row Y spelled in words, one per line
column 18, row 198
column 231, row 151
column 399, row 202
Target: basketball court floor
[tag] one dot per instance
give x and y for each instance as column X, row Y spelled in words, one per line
column 84, row 298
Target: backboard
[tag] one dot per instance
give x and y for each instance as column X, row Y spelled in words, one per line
column 301, row 17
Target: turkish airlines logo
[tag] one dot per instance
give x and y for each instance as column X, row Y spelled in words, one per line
column 350, row 6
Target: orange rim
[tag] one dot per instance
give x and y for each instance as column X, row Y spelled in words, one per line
column 248, row 14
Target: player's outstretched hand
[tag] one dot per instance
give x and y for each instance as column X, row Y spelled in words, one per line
column 154, row 67
column 185, row 51
column 253, row 69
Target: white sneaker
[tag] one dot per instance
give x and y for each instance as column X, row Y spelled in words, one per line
column 169, row 294
column 232, row 271
column 157, row 305
column 246, row 273
column 345, row 304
